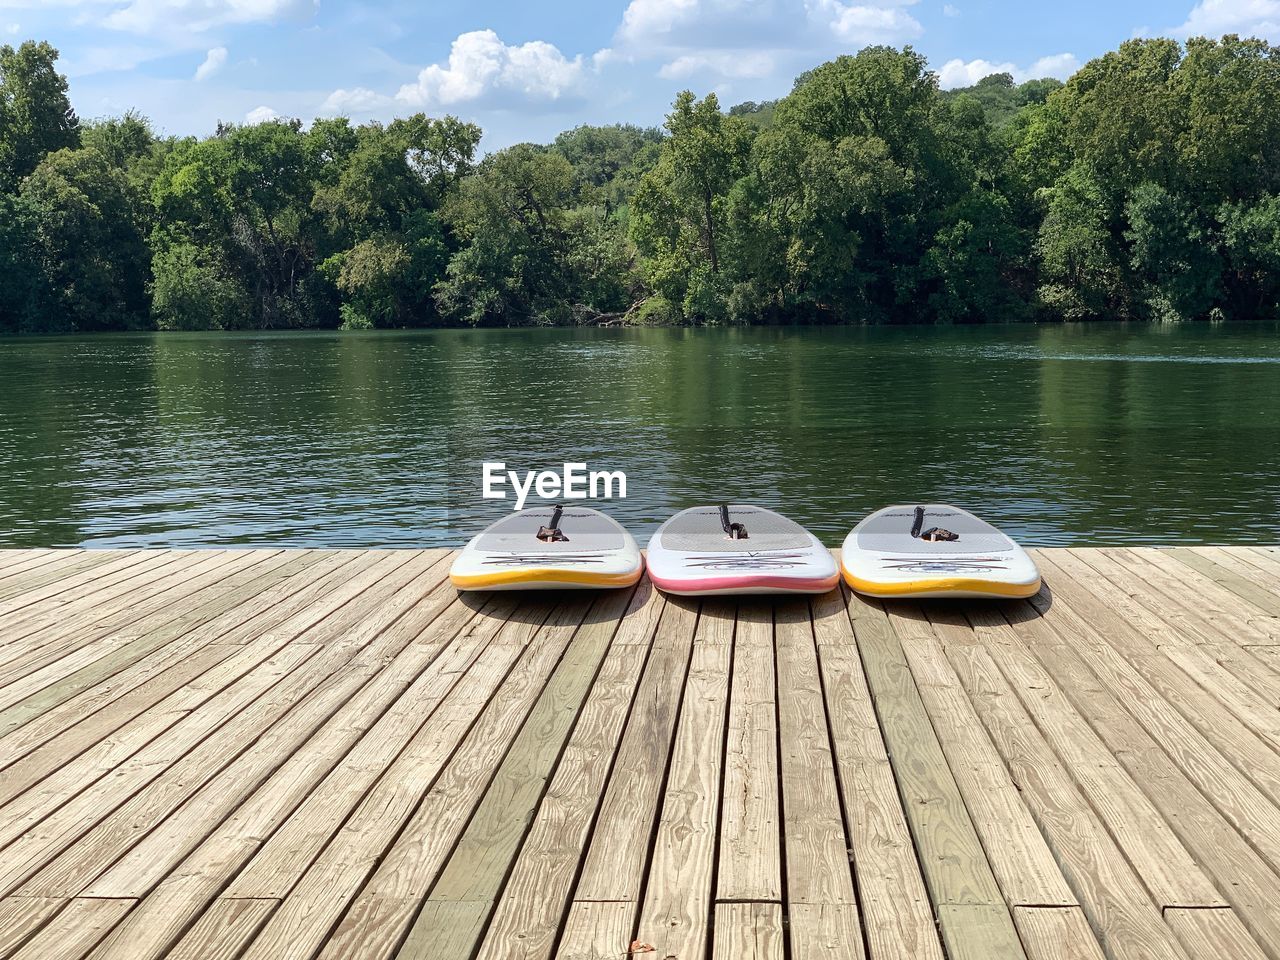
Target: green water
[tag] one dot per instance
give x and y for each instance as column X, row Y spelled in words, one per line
column 1078, row 434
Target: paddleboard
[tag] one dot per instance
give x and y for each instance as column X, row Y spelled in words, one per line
column 549, row 548
column 705, row 551
column 908, row 551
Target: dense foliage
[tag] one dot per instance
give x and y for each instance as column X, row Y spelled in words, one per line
column 1147, row 186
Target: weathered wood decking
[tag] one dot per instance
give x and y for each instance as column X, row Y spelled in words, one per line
column 281, row 755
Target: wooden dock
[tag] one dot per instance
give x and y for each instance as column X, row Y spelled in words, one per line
column 285, row 755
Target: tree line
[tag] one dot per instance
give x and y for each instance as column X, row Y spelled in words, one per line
column 1145, row 187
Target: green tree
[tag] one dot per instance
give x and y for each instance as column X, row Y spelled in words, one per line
column 36, row 118
column 680, row 210
column 244, row 198
column 1001, row 99
column 1251, row 246
column 608, row 161
column 527, row 254
column 510, row 219
column 21, row 310
column 1176, row 270
column 89, row 241
column 389, row 245
column 1080, row 273
column 192, row 292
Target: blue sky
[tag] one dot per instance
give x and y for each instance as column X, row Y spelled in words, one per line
column 527, row 70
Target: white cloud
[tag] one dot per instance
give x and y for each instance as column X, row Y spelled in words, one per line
column 482, row 67
column 754, row 39
column 645, row 18
column 1213, row 18
column 111, row 59
column 197, row 16
column 12, row 28
column 961, row 73
column 950, row 10
column 866, row 23
column 1060, row 66
column 355, row 102
column 214, row 61
column 735, row 64
column 260, row 115
column 863, row 24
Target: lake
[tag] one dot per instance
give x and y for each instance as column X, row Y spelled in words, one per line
column 1079, row 434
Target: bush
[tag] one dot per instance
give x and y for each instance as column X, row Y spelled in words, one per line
column 658, row 311
column 191, row 293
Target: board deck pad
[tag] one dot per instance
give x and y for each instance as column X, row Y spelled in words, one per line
column 508, row 555
column 692, row 555
column 882, row 558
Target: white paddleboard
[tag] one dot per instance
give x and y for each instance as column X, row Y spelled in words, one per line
column 888, row 555
column 589, row 552
column 693, row 555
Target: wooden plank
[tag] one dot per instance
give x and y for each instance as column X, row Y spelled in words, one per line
column 444, row 928
column 1121, row 682
column 223, row 930
column 1248, row 808
column 1159, row 636
column 820, row 903
column 1241, row 874
column 1111, row 894
column 118, row 598
column 16, row 562
column 478, row 866
column 1226, row 638
column 75, row 930
column 1241, row 563
column 220, row 725
column 21, row 917
column 66, row 742
column 1201, row 599
column 317, row 730
column 66, row 560
column 614, row 867
column 955, row 867
column 750, row 865
column 83, row 567
column 72, row 581
column 58, row 627
column 409, row 845
column 977, row 931
column 897, row 916
column 1026, row 870
column 1238, row 743
column 1243, row 587
column 676, row 915
column 1213, row 934
column 1167, row 870
column 1268, row 558
column 528, row 916
column 1056, row 933
column 386, row 778
column 748, row 931
column 60, row 659
column 597, row 930
column 291, row 817
column 195, row 631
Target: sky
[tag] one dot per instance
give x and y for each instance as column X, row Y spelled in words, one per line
column 528, row 70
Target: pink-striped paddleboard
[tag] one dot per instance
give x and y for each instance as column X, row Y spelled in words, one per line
column 737, row 549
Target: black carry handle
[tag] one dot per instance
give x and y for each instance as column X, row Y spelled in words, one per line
column 551, row 532
column 933, row 534
column 736, row 531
